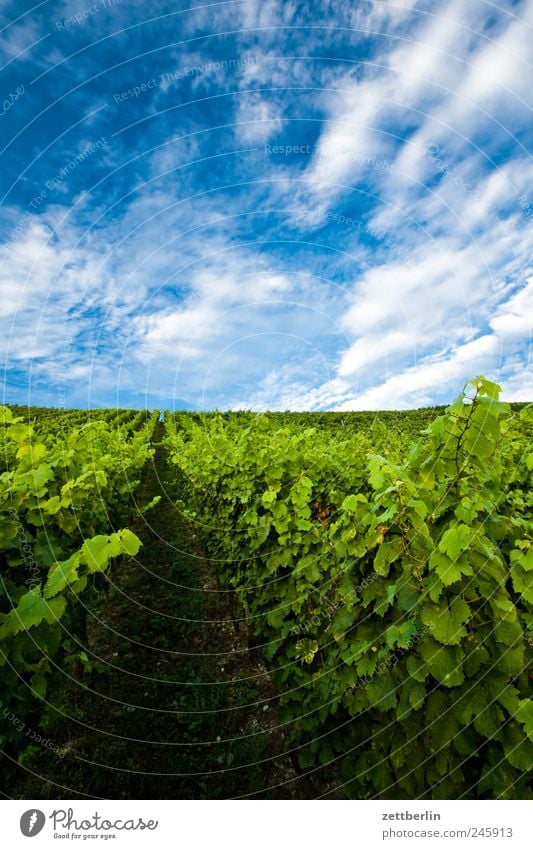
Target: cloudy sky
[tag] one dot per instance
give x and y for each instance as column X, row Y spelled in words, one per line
column 268, row 205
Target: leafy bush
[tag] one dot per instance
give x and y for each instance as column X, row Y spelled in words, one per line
column 393, row 599
column 59, row 495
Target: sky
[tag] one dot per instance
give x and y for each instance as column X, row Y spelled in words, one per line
column 322, row 205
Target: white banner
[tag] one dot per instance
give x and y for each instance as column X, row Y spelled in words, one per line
column 267, row 825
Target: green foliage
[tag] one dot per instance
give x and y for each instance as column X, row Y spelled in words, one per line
column 390, row 584
column 65, row 481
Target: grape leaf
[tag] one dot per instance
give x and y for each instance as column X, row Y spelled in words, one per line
column 443, row 663
column 446, row 623
column 455, row 540
column 524, row 715
column 62, row 574
column 31, row 610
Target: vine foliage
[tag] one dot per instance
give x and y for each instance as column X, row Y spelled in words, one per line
column 393, row 599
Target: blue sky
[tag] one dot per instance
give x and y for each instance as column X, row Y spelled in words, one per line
column 267, row 205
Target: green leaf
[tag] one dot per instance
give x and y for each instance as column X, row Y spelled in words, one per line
column 381, row 692
column 310, row 567
column 446, row 623
column 507, row 631
column 130, row 542
column 306, row 650
column 416, row 668
column 417, row 696
column 95, row 552
column 268, row 498
column 435, row 589
column 31, row 610
column 443, row 663
column 366, row 666
column 52, row 506
column 351, row 503
column 62, row 574
column 522, row 582
column 486, row 387
column 448, row 572
column 153, row 503
column 276, row 617
column 376, row 476
column 524, row 558
column 38, row 684
column 419, row 507
column 517, row 747
column 489, row 720
column 387, row 553
column 343, row 620
column 301, row 491
column 524, row 715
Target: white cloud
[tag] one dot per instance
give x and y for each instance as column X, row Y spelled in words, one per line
column 257, row 119
column 514, row 318
column 362, row 111
column 502, row 67
column 176, row 275
column 222, row 306
column 41, row 278
column 18, row 39
column 418, row 385
column 439, row 77
column 369, row 350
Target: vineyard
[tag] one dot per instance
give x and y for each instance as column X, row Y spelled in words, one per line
column 319, row 604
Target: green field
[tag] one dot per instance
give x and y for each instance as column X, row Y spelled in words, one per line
column 279, row 605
